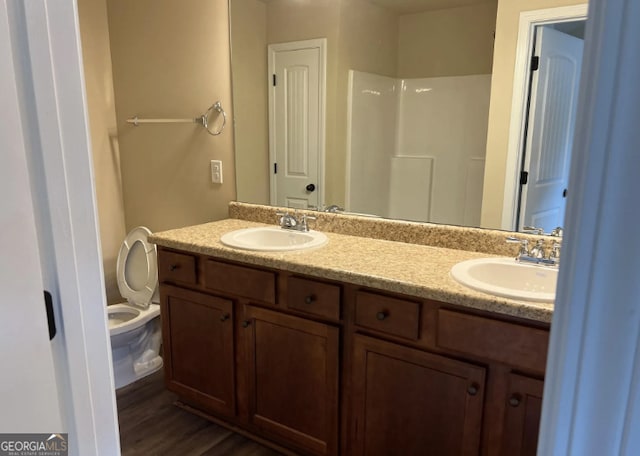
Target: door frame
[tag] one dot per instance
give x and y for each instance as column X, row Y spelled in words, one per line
column 321, row 45
column 57, row 144
column 519, row 100
column 591, row 401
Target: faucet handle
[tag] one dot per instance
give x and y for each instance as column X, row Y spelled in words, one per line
column 537, row 251
column 334, row 208
column 554, row 255
column 286, row 220
column 303, row 221
column 532, row 230
column 557, row 232
column 524, row 244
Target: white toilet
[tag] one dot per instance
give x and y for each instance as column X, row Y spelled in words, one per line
column 134, row 326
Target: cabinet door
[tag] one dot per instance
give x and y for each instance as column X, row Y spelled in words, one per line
column 522, row 416
column 293, row 378
column 408, row 402
column 198, row 348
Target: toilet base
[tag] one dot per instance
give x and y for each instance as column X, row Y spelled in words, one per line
column 135, row 352
column 127, row 371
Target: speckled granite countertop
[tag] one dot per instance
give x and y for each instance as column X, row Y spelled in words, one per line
column 411, row 269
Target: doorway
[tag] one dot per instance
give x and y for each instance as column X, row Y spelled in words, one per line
column 556, row 60
column 297, row 71
column 565, row 19
column 548, row 134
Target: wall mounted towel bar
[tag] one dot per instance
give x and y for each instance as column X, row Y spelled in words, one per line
column 202, row 120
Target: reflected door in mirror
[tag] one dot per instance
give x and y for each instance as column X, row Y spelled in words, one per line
column 296, row 122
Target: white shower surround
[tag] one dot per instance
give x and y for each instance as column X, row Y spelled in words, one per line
column 416, row 147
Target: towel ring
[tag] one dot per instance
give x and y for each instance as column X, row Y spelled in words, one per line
column 204, row 119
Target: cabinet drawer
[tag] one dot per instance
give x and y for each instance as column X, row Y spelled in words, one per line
column 313, row 297
column 394, row 316
column 241, row 281
column 509, row 343
column 176, row 267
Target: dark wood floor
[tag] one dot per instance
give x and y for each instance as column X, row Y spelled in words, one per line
column 151, row 425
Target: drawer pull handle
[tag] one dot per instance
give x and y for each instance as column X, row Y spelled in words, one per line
column 382, row 315
column 225, row 317
column 472, row 390
column 514, row 400
column 173, row 267
column 246, row 323
column 309, row 299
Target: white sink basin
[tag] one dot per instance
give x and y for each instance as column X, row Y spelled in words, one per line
column 508, row 278
column 272, row 239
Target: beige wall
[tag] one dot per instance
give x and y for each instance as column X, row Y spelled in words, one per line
column 292, row 20
column 104, row 142
column 367, row 41
column 500, row 107
column 250, row 99
column 447, row 42
column 368, row 38
column 171, row 60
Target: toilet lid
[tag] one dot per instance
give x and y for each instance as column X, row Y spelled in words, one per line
column 137, row 269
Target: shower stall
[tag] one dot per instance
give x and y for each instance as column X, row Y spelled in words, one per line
column 416, row 147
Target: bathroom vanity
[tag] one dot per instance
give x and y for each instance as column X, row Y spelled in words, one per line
column 361, row 347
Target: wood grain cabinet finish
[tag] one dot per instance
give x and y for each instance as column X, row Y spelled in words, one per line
column 409, row 402
column 398, row 317
column 324, row 368
column 522, row 416
column 314, row 297
column 509, row 343
column 197, row 332
column 176, row 267
column 293, row 378
column 242, row 281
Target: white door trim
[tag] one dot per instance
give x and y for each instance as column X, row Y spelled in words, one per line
column 528, row 21
column 60, row 155
column 321, row 45
column 591, row 402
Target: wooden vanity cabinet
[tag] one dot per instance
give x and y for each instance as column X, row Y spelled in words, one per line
column 522, row 416
column 293, row 378
column 198, row 348
column 326, row 368
column 410, row 402
column 238, row 346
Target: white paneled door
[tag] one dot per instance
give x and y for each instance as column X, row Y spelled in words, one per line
column 28, row 386
column 296, row 123
column 554, row 95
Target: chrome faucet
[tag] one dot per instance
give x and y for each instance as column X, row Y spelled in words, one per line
column 333, row 208
column 532, row 230
column 537, row 253
column 293, row 222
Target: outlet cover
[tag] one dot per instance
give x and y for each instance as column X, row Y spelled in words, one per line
column 216, row 171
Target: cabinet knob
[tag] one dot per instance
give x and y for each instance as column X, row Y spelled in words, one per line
column 246, row 323
column 514, row 400
column 382, row 315
column 225, row 317
column 173, row 267
column 309, row 299
column 472, row 390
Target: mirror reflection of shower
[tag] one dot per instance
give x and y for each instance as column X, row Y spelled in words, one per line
column 416, row 147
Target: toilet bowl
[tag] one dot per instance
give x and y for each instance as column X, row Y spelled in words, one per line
column 134, row 325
